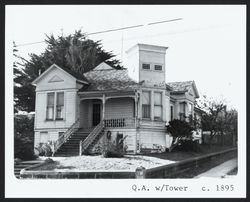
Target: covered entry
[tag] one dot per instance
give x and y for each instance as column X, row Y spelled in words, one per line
column 117, row 111
column 90, row 113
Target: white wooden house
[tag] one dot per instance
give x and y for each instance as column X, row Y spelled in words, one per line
column 78, row 112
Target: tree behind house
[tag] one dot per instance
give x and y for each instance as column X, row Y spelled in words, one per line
column 75, row 52
column 219, row 121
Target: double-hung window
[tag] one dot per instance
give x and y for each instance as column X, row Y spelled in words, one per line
column 55, row 106
column 50, row 106
column 146, row 104
column 171, row 113
column 157, row 105
column 59, row 105
column 183, row 111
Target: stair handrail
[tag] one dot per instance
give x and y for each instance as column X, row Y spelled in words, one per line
column 91, row 137
column 63, row 138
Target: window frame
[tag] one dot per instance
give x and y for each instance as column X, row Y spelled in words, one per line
column 50, row 106
column 61, row 106
column 146, row 68
column 148, row 106
column 158, row 105
column 159, row 65
column 55, row 106
column 171, row 112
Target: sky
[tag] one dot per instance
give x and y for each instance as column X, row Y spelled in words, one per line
column 208, row 44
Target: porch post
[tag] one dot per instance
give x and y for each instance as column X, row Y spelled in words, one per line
column 103, row 106
column 136, row 108
column 152, row 105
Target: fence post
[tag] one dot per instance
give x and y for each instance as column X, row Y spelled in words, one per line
column 140, row 173
column 80, row 148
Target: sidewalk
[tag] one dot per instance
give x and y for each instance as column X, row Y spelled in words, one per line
column 221, row 170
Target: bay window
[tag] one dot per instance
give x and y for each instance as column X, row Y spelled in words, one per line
column 157, row 105
column 50, row 106
column 55, row 106
column 183, row 111
column 59, row 105
column 146, row 104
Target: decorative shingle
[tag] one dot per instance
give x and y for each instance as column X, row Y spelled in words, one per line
column 180, row 86
column 104, row 77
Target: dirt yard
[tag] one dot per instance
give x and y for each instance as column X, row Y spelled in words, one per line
column 93, row 163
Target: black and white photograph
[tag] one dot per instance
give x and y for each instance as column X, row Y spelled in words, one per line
column 129, row 100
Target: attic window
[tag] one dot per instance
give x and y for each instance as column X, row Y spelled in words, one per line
column 145, row 66
column 158, row 67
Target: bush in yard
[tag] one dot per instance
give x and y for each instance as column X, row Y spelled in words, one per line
column 180, row 131
column 23, row 137
column 114, row 149
column 45, row 149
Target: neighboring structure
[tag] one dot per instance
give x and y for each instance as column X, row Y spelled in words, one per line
column 108, row 103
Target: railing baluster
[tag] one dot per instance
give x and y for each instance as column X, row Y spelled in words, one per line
column 60, row 141
column 119, row 123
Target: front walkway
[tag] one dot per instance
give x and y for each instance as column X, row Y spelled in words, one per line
column 221, row 170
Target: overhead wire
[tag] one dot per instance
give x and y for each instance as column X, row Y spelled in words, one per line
column 106, row 31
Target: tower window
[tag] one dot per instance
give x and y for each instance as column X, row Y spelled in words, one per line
column 145, row 66
column 158, row 67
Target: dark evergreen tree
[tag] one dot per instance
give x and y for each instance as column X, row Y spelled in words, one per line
column 75, row 52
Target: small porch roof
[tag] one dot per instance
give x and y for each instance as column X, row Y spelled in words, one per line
column 107, row 94
column 105, row 78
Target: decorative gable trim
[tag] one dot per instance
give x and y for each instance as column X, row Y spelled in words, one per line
column 55, row 79
column 49, row 69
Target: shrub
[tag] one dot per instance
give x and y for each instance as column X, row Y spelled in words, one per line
column 114, row 149
column 24, row 137
column 180, row 130
column 45, row 149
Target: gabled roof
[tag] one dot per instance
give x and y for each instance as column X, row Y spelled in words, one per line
column 182, row 87
column 80, row 78
column 105, row 77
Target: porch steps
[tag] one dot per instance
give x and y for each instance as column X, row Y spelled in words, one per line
column 71, row 146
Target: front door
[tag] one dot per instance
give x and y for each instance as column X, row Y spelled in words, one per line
column 96, row 114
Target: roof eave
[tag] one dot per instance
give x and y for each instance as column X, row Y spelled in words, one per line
column 177, row 92
column 82, row 82
column 196, row 90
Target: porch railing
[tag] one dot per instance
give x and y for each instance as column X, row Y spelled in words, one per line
column 90, row 138
column 119, row 123
column 63, row 138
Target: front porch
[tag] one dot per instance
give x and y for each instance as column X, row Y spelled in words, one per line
column 116, row 111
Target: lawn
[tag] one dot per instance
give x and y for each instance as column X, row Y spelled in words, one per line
column 93, row 163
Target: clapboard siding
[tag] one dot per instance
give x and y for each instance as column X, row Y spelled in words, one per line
column 149, row 138
column 85, row 113
column 119, row 108
column 52, row 134
column 70, row 98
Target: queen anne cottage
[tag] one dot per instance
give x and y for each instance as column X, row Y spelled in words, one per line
column 77, row 112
